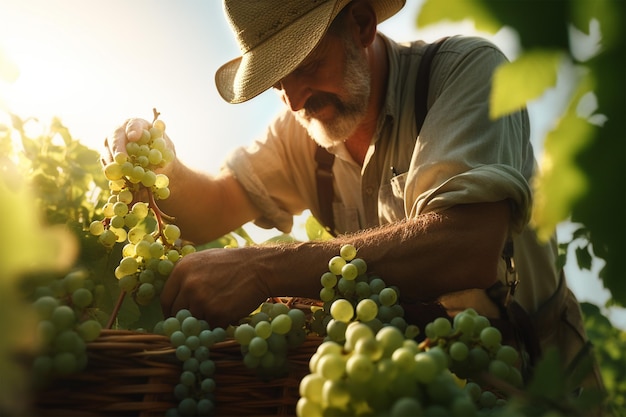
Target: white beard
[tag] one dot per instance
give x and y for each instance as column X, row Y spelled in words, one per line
column 350, row 107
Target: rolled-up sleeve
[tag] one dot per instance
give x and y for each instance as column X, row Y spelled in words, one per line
column 462, row 156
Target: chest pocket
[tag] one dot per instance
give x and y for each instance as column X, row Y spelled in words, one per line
column 391, row 199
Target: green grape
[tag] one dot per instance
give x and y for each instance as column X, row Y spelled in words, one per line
column 349, row 271
column 145, row 291
column 117, row 222
column 499, row 369
column 459, row 351
column 172, row 255
column 45, row 306
column 390, row 339
column 263, row 329
column 146, row 275
column 377, row 285
column 132, row 148
column 89, row 330
column 490, row 337
column 177, row 338
column 128, row 283
column 113, row 171
column 406, row 406
column 107, row 238
column 165, row 267
column 258, row 346
column 82, row 297
column 125, row 196
column 131, row 220
column 190, row 326
column 328, row 280
column 162, row 193
column 298, row 318
column 426, row 368
column 65, row 363
column 155, row 156
column 335, row 264
column 244, row 333
column 156, row 250
column 387, row 296
column 149, row 179
column 162, row 181
column 366, row 310
column 96, row 228
column 128, row 265
column 342, row 310
column 170, row 325
column 360, row 264
column 360, row 368
column 331, row 366
column 507, row 354
column 347, row 252
column 63, row 317
column 335, row 394
column 310, row 387
column 281, row 324
column 205, row 407
column 192, row 342
column 487, row 399
column 140, row 209
column 306, row 407
column 346, row 287
column 276, row 309
column 182, row 314
column 142, row 248
column 441, row 327
column 336, row 330
column 187, row 249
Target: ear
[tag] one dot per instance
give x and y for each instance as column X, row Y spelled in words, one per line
column 362, row 15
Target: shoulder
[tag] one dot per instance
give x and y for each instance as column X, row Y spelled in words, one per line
column 463, row 47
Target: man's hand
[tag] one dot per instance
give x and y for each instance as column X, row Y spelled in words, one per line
column 219, row 285
column 130, row 131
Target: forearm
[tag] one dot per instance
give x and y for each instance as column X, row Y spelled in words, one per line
column 425, row 257
column 204, row 207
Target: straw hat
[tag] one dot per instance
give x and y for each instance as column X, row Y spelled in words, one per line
column 275, row 37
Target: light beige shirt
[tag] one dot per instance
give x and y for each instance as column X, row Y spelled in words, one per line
column 460, row 156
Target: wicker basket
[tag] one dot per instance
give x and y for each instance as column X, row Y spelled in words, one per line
column 134, row 374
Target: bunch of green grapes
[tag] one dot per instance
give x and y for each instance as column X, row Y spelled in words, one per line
column 267, row 336
column 346, row 287
column 193, row 339
column 365, row 369
column 67, row 322
column 384, row 373
column 131, row 215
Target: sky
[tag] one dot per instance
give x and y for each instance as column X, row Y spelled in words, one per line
column 95, row 64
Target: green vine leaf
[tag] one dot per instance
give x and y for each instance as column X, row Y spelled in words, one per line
column 525, row 79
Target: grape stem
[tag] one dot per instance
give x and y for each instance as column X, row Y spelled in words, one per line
column 155, row 113
column 116, row 309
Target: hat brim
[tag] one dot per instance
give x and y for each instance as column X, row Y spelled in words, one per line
column 245, row 77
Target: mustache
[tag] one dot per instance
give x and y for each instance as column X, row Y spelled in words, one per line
column 317, row 102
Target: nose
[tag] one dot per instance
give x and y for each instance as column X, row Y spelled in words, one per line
column 294, row 92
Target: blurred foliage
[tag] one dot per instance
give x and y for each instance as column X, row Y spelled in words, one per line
column 610, row 345
column 583, row 169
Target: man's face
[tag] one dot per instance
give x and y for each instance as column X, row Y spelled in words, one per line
column 328, row 93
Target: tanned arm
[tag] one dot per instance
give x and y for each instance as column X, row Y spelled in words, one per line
column 425, row 257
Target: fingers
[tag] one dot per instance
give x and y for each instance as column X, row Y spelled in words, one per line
column 130, row 130
column 135, row 127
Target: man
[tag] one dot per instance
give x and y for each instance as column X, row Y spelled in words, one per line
column 431, row 213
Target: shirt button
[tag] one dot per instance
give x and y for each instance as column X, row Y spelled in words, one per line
column 369, row 190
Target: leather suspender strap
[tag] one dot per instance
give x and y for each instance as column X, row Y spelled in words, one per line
column 325, row 159
column 324, row 176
